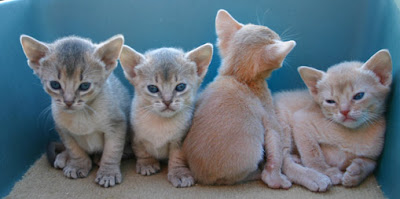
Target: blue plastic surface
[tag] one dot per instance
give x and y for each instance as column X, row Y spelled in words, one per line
column 326, row 32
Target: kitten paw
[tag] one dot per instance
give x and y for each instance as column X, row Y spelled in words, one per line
column 352, row 177
column 317, row 181
column 147, row 167
column 61, row 160
column 108, row 176
column 77, row 168
column 275, row 180
column 181, row 177
column 335, row 175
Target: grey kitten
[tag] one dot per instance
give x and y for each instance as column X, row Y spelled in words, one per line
column 89, row 104
column 166, row 81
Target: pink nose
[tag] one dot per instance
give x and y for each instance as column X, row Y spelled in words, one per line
column 345, row 112
column 167, row 103
column 69, row 103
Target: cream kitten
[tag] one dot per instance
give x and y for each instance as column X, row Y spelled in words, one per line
column 89, row 104
column 166, row 81
column 339, row 126
column 235, row 119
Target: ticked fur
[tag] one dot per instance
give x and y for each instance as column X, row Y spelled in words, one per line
column 234, row 119
column 89, row 104
column 338, row 125
column 166, row 81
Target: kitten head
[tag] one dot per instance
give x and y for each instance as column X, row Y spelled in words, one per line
column 249, row 51
column 166, row 79
column 72, row 70
column 351, row 93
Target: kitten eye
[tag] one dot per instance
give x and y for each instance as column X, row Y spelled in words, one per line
column 55, row 85
column 358, row 96
column 84, row 86
column 152, row 89
column 180, row 87
column 330, row 101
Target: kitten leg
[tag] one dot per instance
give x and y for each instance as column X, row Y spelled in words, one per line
column 178, row 172
column 61, row 160
column 109, row 173
column 272, row 174
column 359, row 169
column 312, row 156
column 145, row 164
column 78, row 163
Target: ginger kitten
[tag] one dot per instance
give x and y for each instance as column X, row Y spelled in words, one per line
column 338, row 125
column 234, row 119
column 166, row 82
column 89, row 104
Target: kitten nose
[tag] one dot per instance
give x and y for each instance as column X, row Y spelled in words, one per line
column 345, row 112
column 167, row 103
column 68, row 103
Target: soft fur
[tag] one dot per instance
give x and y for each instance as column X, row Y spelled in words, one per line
column 88, row 121
column 160, row 120
column 334, row 132
column 235, row 120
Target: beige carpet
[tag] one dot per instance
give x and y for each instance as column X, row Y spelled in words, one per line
column 43, row 181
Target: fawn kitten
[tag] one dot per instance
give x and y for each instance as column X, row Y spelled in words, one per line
column 234, row 118
column 339, row 126
column 166, row 82
column 89, row 104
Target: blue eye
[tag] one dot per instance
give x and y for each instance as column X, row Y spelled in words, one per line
column 152, row 89
column 55, row 85
column 358, row 96
column 330, row 101
column 84, row 86
column 180, row 87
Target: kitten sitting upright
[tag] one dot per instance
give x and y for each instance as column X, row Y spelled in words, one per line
column 166, row 82
column 89, row 104
column 339, row 126
column 235, row 119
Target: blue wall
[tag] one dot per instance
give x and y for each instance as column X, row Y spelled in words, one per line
column 326, row 32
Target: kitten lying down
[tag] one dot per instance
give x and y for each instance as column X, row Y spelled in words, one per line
column 89, row 104
column 338, row 126
column 166, row 81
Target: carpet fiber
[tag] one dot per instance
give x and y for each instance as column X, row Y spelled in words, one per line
column 43, row 181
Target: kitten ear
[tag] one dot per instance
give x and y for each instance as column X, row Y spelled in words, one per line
column 109, row 51
column 278, row 51
column 311, row 76
column 129, row 60
column 381, row 64
column 202, row 57
column 225, row 26
column 34, row 50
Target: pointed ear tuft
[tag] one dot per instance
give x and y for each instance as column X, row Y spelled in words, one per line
column 202, row 57
column 34, row 50
column 225, row 26
column 108, row 52
column 381, row 64
column 278, row 51
column 129, row 60
column 311, row 77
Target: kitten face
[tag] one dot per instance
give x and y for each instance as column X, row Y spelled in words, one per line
column 72, row 70
column 353, row 93
column 166, row 80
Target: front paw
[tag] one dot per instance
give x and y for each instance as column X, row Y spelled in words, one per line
column 275, row 180
column 335, row 175
column 77, row 168
column 353, row 176
column 316, row 181
column 61, row 160
column 147, row 167
column 108, row 175
column 181, row 177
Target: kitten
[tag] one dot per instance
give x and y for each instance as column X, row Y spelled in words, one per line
column 234, row 118
column 89, row 104
column 339, row 126
column 166, row 81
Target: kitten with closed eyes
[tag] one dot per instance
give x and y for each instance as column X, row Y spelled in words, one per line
column 166, row 81
column 89, row 104
column 338, row 126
